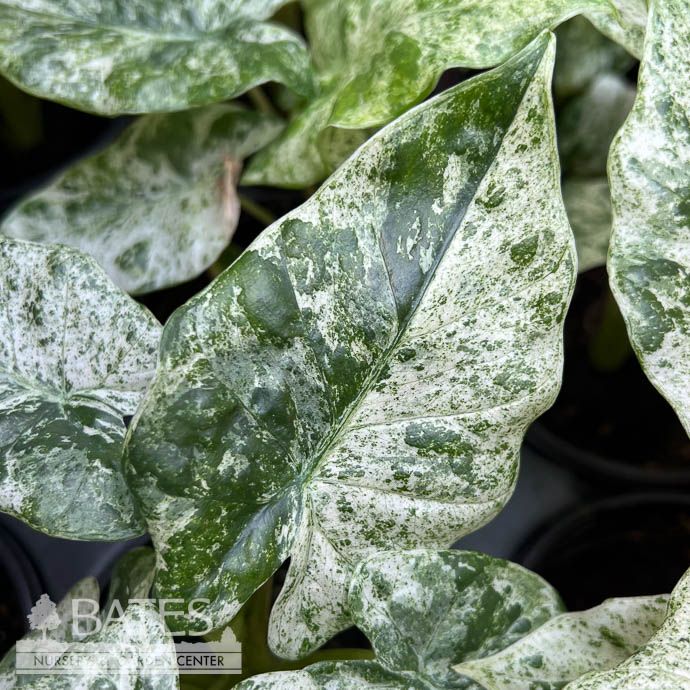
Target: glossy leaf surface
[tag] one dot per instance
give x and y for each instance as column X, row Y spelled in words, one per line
column 362, row 376
column 649, row 170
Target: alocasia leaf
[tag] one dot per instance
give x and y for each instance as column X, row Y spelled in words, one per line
column 376, row 58
column 424, row 611
column 76, row 355
column 663, row 663
column 649, row 171
column 144, row 56
column 588, row 203
column 583, row 53
column 134, row 652
column 159, row 205
column 571, row 645
column 361, row 377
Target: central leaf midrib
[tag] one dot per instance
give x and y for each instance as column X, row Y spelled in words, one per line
column 322, row 452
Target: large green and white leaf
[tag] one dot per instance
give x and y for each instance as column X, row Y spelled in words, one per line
column 424, row 611
column 570, row 645
column 583, row 53
column 649, row 170
column 376, row 58
column 159, row 205
column 663, row 663
column 361, row 377
column 588, row 123
column 145, row 56
column 588, row 203
column 76, row 355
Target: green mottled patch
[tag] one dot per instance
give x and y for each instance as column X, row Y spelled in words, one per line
column 145, row 56
column 159, row 205
column 333, row 393
column 662, row 662
column 76, row 355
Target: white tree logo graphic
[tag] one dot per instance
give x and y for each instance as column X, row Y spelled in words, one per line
column 44, row 615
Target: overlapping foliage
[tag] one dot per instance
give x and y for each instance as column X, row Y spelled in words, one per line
column 358, row 382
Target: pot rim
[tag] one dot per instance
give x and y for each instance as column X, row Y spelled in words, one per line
column 542, row 540
column 592, row 465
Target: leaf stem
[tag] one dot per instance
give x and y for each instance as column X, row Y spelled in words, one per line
column 261, row 101
column 257, row 211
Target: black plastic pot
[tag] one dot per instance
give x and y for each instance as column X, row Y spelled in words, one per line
column 609, row 425
column 20, row 586
column 628, row 545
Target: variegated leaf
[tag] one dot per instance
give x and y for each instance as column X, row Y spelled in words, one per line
column 63, row 634
column 362, row 376
column 571, row 645
column 625, row 24
column 76, row 355
column 376, row 58
column 663, row 663
column 144, row 56
column 586, row 127
column 135, row 652
column 588, row 203
column 649, row 170
column 159, row 205
column 583, row 53
column 338, row 675
column 424, row 611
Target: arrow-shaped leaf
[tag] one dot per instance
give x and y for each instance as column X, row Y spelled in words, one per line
column 423, row 611
column 649, row 170
column 570, row 645
column 76, row 355
column 144, row 56
column 361, row 378
column 159, row 205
